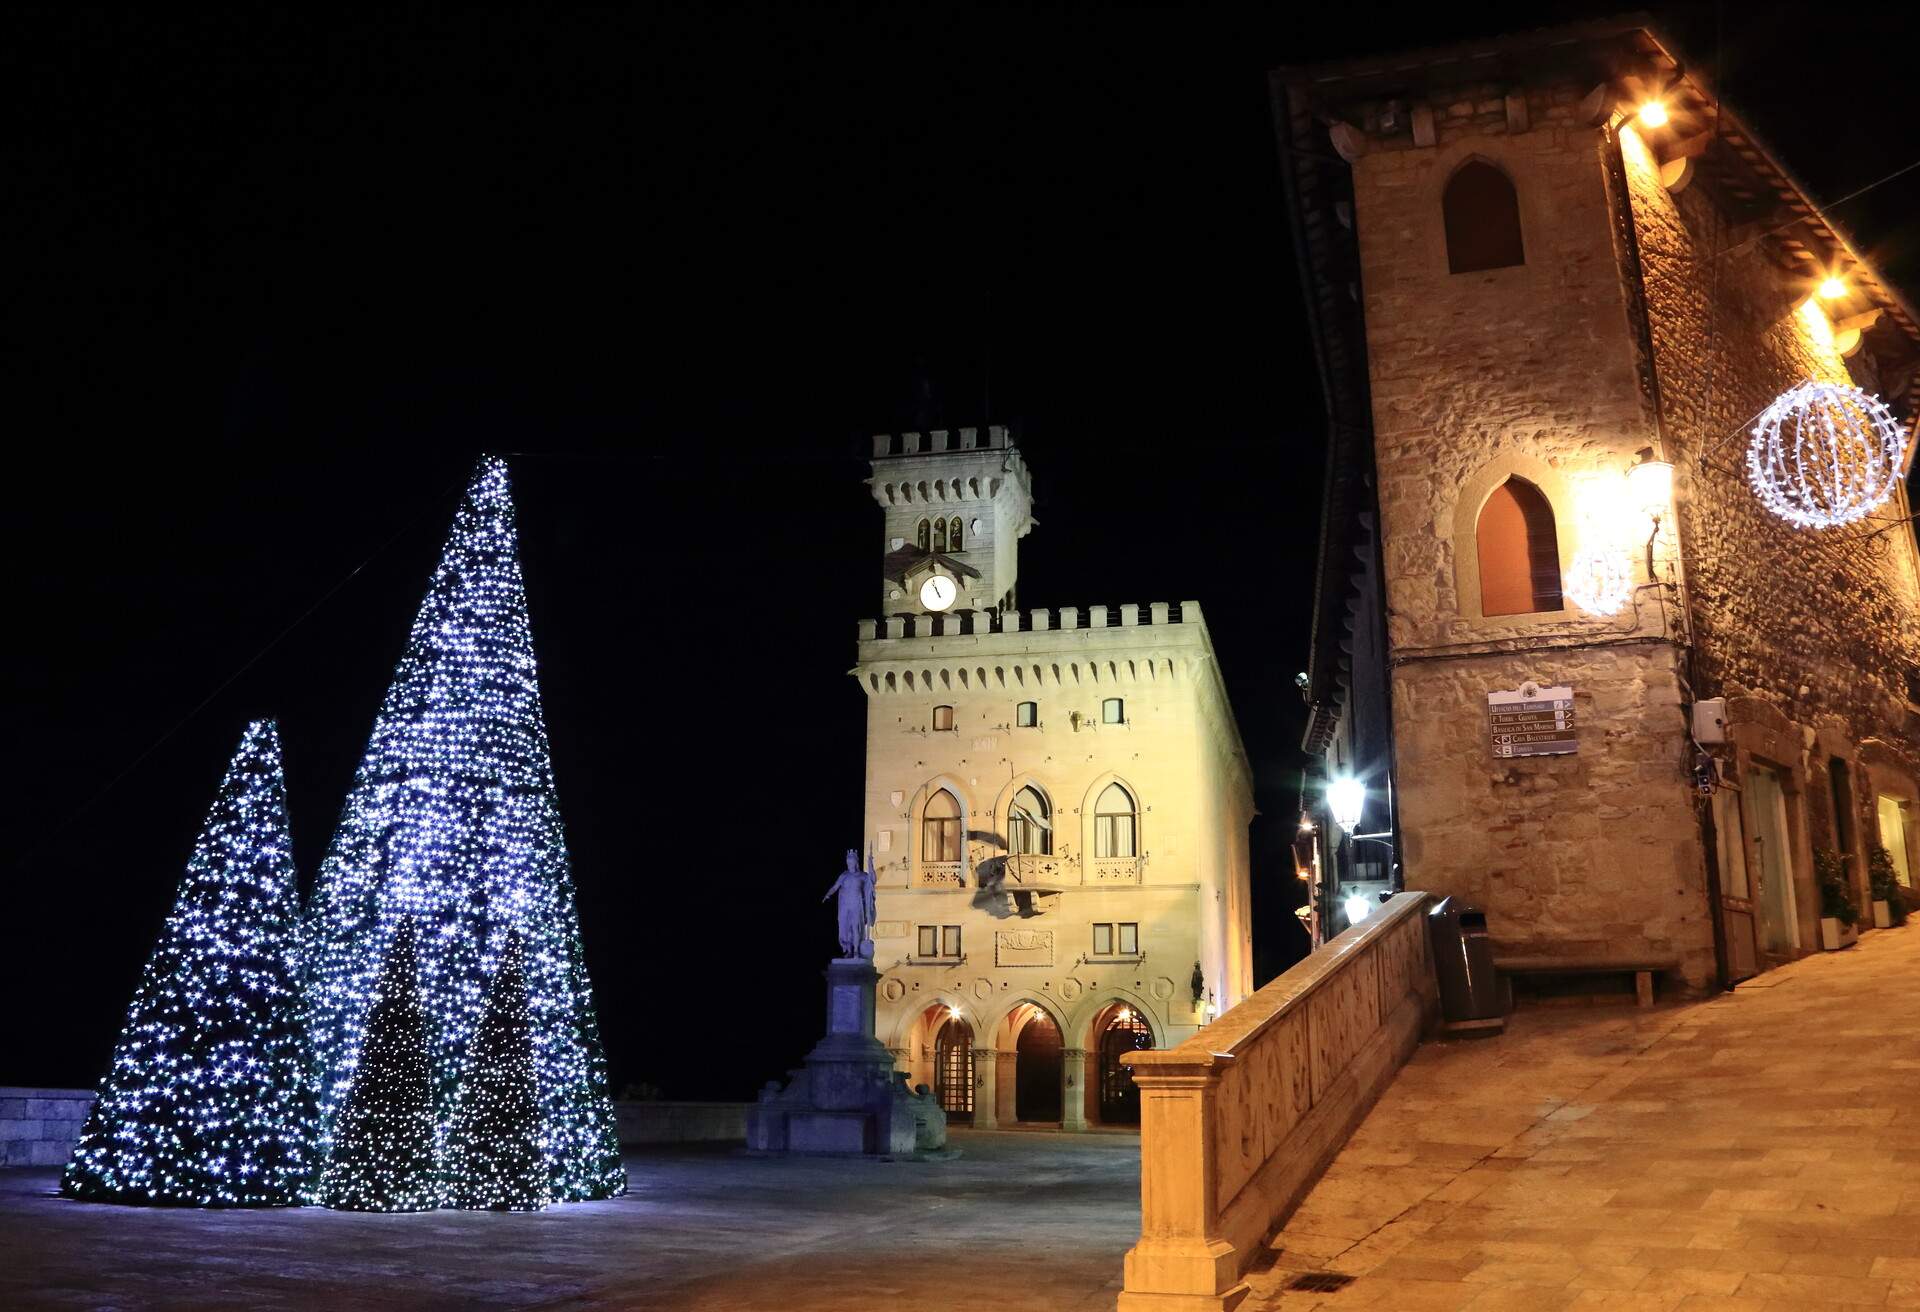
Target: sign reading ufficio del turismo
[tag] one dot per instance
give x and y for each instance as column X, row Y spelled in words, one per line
column 1531, row 721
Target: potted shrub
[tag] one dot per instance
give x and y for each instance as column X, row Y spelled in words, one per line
column 1837, row 912
column 1883, row 885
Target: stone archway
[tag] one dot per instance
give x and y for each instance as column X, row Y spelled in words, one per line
column 1112, row 1097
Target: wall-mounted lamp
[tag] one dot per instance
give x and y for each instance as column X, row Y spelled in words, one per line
column 1653, row 114
column 1833, row 287
column 1345, row 798
column 1357, row 908
column 1650, row 484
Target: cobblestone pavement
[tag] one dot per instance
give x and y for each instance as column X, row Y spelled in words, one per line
column 1023, row 1220
column 1756, row 1153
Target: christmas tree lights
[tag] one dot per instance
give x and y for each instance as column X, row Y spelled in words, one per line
column 453, row 821
column 208, row 1101
column 493, row 1157
column 383, row 1144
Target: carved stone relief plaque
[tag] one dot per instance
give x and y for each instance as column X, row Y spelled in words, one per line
column 1023, row 947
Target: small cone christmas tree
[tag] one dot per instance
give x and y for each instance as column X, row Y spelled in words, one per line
column 493, row 1157
column 454, row 820
column 208, row 1101
column 383, row 1159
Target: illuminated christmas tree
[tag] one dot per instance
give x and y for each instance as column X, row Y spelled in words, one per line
column 493, row 1144
column 453, row 821
column 208, row 1101
column 383, row 1143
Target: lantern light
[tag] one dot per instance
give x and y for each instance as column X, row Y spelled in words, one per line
column 1345, row 798
column 1653, row 114
column 1833, row 287
column 1357, row 908
column 1650, row 484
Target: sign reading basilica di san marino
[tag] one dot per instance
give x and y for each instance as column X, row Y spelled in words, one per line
column 1531, row 721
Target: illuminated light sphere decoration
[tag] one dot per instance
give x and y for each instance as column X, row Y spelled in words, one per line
column 383, row 1157
column 453, row 820
column 492, row 1157
column 1824, row 454
column 208, row 1101
column 1598, row 582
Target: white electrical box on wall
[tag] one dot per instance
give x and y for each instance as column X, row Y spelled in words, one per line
column 1710, row 721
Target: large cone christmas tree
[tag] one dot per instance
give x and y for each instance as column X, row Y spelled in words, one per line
column 208, row 1101
column 453, row 821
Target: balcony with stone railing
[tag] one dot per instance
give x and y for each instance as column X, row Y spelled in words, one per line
column 940, row 874
column 1114, row 870
column 974, row 623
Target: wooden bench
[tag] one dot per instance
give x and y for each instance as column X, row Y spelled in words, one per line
column 1643, row 969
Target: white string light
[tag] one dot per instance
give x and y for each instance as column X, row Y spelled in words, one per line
column 208, row 1101
column 1824, row 454
column 453, row 822
column 1598, row 581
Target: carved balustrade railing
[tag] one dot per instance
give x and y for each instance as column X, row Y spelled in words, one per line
column 1238, row 1121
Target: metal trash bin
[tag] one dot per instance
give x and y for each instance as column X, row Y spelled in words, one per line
column 1463, row 962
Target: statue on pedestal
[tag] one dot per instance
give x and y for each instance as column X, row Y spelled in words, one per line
column 855, row 887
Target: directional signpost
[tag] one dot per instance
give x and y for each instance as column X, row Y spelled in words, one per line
column 1531, row 721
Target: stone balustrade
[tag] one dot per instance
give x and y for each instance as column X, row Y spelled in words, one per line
column 1237, row 1122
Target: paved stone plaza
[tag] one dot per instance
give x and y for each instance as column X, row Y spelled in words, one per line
column 1756, row 1153
column 1022, row 1220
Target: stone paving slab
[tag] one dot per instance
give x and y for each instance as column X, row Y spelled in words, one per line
column 1021, row 1220
column 1759, row 1152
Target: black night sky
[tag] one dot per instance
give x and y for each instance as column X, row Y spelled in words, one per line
column 276, row 277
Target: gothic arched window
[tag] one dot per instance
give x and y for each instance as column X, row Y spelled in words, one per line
column 940, row 827
column 939, row 535
column 1030, row 824
column 923, row 536
column 1519, row 551
column 1481, row 212
column 953, row 535
column 1116, row 823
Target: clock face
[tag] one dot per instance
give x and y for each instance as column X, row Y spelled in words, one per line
column 938, row 592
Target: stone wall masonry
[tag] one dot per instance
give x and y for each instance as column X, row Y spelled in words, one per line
column 1819, row 623
column 1529, row 370
column 39, row 1127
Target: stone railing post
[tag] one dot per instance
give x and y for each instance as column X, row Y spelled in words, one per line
column 1181, row 1264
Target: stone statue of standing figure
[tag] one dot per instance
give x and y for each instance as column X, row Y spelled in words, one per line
column 855, row 887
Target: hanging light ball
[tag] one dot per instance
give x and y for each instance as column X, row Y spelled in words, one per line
column 1598, row 582
column 1824, row 454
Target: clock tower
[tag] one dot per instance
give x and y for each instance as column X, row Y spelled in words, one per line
column 956, row 502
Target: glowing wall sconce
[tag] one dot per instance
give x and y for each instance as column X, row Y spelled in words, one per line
column 1345, row 798
column 1833, row 287
column 1357, row 909
column 1653, row 114
column 1650, row 486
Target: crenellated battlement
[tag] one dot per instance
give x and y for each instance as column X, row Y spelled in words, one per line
column 978, row 623
column 940, row 441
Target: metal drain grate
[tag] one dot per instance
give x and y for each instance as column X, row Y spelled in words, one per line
column 1321, row 1282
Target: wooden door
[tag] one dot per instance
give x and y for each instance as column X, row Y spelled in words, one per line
column 1772, row 864
column 1737, row 915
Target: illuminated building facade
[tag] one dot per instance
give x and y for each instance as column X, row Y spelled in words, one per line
column 1553, row 283
column 1057, row 803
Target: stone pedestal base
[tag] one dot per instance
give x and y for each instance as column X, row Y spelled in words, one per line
column 847, row 1100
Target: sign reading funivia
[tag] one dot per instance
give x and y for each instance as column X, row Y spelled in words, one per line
column 1531, row 721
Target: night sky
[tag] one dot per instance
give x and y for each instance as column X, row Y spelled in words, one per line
column 274, row 280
